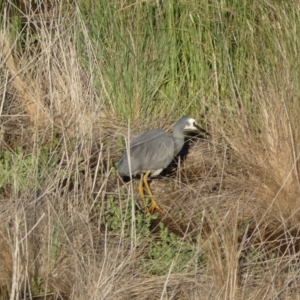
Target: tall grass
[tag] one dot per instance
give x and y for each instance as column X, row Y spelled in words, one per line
column 180, row 57
column 74, row 75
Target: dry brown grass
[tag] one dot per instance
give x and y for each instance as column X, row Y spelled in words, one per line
column 235, row 198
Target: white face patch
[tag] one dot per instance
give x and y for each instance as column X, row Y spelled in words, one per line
column 190, row 124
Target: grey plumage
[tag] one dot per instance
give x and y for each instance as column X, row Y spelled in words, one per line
column 155, row 149
column 151, row 152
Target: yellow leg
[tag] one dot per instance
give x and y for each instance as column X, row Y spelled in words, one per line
column 154, row 205
column 141, row 191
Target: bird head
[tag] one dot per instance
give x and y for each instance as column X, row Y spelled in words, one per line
column 187, row 124
column 190, row 124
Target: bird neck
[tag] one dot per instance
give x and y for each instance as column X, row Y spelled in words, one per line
column 179, row 140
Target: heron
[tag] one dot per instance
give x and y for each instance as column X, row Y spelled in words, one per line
column 151, row 152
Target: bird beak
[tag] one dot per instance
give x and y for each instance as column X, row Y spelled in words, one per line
column 198, row 128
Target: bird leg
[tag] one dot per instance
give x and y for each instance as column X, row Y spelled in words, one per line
column 141, row 191
column 154, row 205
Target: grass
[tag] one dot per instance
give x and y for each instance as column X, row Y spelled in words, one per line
column 79, row 79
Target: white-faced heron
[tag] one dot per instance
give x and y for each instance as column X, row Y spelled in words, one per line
column 153, row 151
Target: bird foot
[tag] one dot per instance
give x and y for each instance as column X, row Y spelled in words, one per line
column 154, row 207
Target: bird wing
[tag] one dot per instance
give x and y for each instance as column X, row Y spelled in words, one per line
column 152, row 150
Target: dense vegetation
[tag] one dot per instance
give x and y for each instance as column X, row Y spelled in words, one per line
column 79, row 78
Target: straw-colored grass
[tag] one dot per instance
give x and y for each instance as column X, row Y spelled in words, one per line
column 79, row 80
